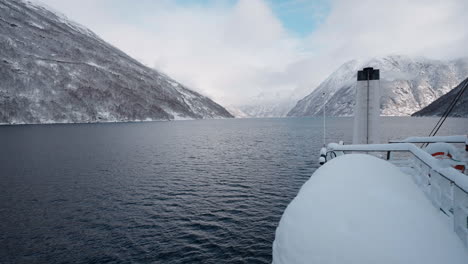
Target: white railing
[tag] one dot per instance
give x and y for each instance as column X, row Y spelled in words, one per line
column 445, row 187
column 435, row 139
column 451, row 198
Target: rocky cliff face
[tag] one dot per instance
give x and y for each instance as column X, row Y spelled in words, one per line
column 439, row 106
column 54, row 70
column 408, row 84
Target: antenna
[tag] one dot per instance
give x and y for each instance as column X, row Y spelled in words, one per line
column 324, row 122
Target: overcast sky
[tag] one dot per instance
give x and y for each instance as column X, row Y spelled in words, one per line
column 247, row 51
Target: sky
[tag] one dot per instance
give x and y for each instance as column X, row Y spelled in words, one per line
column 244, row 52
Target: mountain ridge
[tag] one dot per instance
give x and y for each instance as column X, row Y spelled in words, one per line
column 439, row 106
column 57, row 71
column 408, row 84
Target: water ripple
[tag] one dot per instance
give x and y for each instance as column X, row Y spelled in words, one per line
column 208, row 191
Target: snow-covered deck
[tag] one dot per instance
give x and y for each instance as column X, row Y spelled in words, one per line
column 444, row 186
column 361, row 209
column 419, row 155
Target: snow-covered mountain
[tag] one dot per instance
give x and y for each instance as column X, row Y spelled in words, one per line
column 408, row 84
column 438, row 107
column 236, row 112
column 54, row 70
column 267, row 109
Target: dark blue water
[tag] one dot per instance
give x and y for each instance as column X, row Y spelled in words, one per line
column 209, row 191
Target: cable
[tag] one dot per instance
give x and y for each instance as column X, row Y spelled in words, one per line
column 443, row 115
column 450, row 108
column 447, row 112
column 459, row 95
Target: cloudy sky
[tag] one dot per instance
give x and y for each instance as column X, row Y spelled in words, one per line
column 249, row 51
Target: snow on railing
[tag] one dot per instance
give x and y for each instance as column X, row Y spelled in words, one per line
column 445, row 187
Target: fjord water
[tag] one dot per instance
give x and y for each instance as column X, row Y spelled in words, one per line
column 207, row 191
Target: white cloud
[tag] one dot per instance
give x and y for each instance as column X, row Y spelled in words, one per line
column 418, row 27
column 240, row 54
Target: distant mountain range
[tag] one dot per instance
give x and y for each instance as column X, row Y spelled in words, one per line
column 278, row 108
column 439, row 106
column 54, row 70
column 408, row 84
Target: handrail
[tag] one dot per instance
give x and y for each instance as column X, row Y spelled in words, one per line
column 452, row 175
column 435, row 139
column 445, row 187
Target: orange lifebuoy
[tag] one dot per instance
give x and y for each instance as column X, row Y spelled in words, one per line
column 441, row 154
column 446, row 155
column 460, row 168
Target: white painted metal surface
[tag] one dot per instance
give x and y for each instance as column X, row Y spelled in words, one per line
column 367, row 112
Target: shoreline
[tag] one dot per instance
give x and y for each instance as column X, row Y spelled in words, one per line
column 193, row 119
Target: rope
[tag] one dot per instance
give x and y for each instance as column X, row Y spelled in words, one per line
column 447, row 112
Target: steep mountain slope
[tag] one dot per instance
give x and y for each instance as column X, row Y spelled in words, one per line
column 268, row 109
column 408, row 84
column 53, row 70
column 236, row 112
column 438, row 107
